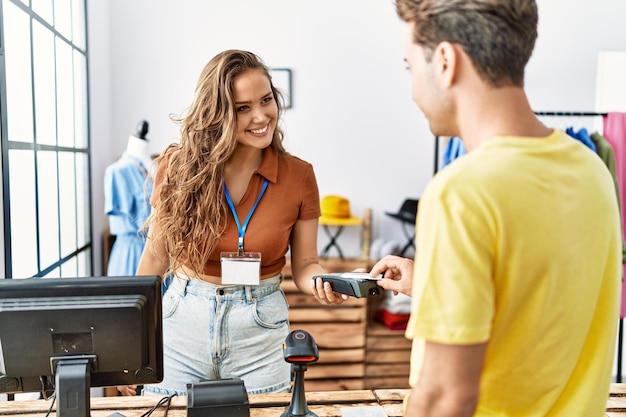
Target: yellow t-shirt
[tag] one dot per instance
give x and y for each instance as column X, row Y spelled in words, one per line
column 518, row 245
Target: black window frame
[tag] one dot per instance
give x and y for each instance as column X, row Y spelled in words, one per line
column 83, row 251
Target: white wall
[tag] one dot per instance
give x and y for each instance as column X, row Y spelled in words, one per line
column 352, row 116
column 611, row 82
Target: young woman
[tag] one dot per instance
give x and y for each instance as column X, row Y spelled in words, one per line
column 228, row 203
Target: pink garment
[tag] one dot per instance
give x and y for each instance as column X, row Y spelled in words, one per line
column 614, row 131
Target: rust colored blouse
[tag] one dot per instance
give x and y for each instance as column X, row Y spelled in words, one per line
column 291, row 195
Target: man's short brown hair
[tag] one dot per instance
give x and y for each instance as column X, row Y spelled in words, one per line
column 497, row 35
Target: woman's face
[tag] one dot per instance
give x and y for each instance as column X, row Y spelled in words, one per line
column 257, row 111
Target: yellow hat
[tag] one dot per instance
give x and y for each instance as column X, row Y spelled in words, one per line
column 336, row 212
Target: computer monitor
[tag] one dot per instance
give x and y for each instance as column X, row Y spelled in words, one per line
column 69, row 334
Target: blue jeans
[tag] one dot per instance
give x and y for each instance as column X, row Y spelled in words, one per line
column 217, row 332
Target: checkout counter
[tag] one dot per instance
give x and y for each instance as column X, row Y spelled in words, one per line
column 324, row 404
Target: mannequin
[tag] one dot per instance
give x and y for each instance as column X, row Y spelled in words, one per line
column 138, row 145
column 127, row 189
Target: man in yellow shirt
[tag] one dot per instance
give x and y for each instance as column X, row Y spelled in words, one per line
column 516, row 281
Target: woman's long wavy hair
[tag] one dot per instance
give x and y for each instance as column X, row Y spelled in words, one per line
column 191, row 211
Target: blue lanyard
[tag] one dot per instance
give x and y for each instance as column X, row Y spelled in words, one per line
column 242, row 230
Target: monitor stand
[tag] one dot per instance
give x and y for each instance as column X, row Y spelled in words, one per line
column 73, row 383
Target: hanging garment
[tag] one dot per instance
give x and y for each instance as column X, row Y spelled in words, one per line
column 614, row 130
column 583, row 136
column 454, row 148
column 606, row 153
column 127, row 204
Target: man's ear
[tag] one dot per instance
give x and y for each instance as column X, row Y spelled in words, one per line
column 446, row 59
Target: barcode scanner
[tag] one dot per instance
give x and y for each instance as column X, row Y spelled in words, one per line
column 300, row 347
column 299, row 350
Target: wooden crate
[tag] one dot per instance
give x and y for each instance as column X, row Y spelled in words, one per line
column 355, row 351
column 339, row 331
column 387, row 360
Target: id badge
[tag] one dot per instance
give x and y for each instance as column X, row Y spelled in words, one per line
column 241, row 269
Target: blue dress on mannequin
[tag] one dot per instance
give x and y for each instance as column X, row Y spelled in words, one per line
column 127, row 203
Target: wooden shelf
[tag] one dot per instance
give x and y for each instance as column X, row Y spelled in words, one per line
column 339, row 332
column 387, row 360
column 355, row 352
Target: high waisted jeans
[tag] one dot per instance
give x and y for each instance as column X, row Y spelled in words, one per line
column 216, row 332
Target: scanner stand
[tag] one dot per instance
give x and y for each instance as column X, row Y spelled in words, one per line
column 298, row 406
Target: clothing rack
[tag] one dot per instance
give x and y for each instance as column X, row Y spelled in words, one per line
column 620, row 331
column 620, row 335
column 570, row 113
column 436, row 163
column 538, row 113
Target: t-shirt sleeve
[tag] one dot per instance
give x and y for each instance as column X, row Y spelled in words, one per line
column 453, row 290
column 310, row 196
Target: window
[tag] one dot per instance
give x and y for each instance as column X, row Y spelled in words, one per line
column 45, row 143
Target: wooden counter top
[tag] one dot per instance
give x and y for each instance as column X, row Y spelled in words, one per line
column 324, row 404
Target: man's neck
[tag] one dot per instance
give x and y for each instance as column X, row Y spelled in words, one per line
column 503, row 111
